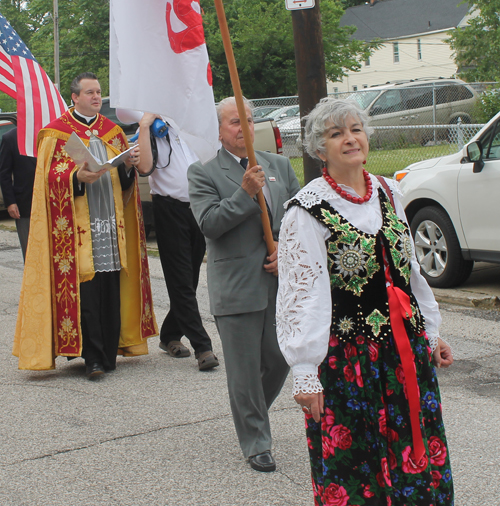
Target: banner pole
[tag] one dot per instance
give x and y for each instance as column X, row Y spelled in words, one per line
column 238, row 95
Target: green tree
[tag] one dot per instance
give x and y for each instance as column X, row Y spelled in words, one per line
column 83, row 39
column 15, row 13
column 261, row 32
column 262, row 37
column 477, row 45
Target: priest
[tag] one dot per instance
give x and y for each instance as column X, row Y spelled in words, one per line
column 86, row 289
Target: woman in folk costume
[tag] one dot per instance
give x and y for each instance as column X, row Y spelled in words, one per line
column 358, row 325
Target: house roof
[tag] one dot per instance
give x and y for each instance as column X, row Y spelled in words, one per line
column 389, row 19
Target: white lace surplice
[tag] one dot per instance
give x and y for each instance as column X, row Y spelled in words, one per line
column 304, row 308
column 102, row 215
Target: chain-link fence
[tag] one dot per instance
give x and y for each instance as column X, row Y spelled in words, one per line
column 394, row 148
column 412, row 121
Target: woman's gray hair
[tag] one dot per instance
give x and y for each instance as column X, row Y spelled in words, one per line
column 330, row 110
column 230, row 101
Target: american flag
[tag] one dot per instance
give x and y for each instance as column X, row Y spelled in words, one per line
column 38, row 100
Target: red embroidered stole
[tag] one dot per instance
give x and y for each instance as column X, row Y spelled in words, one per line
column 70, row 237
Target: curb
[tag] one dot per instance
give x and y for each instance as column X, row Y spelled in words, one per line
column 467, row 299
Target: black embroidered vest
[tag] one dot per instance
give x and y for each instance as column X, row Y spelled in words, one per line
column 356, row 267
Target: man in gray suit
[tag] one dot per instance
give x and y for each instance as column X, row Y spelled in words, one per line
column 242, row 284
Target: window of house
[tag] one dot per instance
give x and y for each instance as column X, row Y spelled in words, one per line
column 367, row 62
column 395, row 51
column 419, row 49
column 365, row 86
column 354, row 88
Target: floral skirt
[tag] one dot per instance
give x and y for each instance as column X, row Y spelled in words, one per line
column 361, row 452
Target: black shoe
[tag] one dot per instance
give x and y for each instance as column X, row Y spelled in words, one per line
column 94, row 370
column 263, row 462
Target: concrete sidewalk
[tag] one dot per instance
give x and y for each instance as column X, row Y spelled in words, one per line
column 158, row 432
column 154, row 432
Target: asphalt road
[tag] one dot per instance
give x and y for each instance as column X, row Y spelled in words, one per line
column 159, row 432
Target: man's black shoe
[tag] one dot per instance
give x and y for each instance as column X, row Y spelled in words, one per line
column 94, row 370
column 263, row 462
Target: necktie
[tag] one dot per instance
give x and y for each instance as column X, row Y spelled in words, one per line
column 244, row 163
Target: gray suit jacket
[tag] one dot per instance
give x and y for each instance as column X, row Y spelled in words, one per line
column 231, row 223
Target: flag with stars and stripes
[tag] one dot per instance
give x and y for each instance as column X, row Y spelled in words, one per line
column 21, row 77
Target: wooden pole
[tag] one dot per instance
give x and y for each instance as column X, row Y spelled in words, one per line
column 311, row 74
column 238, row 95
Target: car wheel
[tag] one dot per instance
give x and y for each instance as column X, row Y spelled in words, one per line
column 437, row 249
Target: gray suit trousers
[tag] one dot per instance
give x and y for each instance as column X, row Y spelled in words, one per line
column 256, row 371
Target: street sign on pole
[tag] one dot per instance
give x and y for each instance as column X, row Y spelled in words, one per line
column 293, row 5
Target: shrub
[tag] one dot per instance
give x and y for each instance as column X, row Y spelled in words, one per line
column 487, row 105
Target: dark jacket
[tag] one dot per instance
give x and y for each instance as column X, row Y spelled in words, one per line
column 17, row 174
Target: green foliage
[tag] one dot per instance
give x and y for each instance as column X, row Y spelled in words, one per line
column 15, row 12
column 83, row 36
column 261, row 32
column 7, row 104
column 262, row 37
column 83, row 40
column 487, row 105
column 477, row 46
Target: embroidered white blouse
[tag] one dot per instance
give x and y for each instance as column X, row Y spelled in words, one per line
column 304, row 306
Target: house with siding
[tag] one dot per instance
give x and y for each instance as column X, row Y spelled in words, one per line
column 413, row 34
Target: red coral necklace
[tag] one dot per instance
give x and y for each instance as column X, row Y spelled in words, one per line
column 355, row 200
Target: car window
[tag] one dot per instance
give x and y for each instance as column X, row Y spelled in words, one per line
column 364, row 98
column 452, row 93
column 493, row 150
column 417, row 97
column 263, row 111
column 390, row 101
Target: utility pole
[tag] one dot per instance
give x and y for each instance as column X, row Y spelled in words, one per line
column 310, row 65
column 56, row 45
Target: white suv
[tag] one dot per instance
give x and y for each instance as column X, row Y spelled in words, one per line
column 453, row 208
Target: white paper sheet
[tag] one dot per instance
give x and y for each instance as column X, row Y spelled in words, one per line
column 80, row 154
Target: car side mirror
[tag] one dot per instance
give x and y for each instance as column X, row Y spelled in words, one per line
column 475, row 154
column 375, row 110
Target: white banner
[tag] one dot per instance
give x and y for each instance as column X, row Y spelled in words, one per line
column 159, row 64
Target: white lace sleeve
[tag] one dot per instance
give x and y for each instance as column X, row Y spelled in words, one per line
column 419, row 286
column 303, row 306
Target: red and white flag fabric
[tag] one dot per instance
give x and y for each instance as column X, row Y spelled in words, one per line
column 159, row 63
column 21, row 77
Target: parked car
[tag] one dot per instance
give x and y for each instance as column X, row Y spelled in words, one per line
column 263, row 110
column 283, row 113
column 291, row 136
column 417, row 102
column 453, row 207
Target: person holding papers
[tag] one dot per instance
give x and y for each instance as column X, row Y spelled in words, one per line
column 86, row 289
